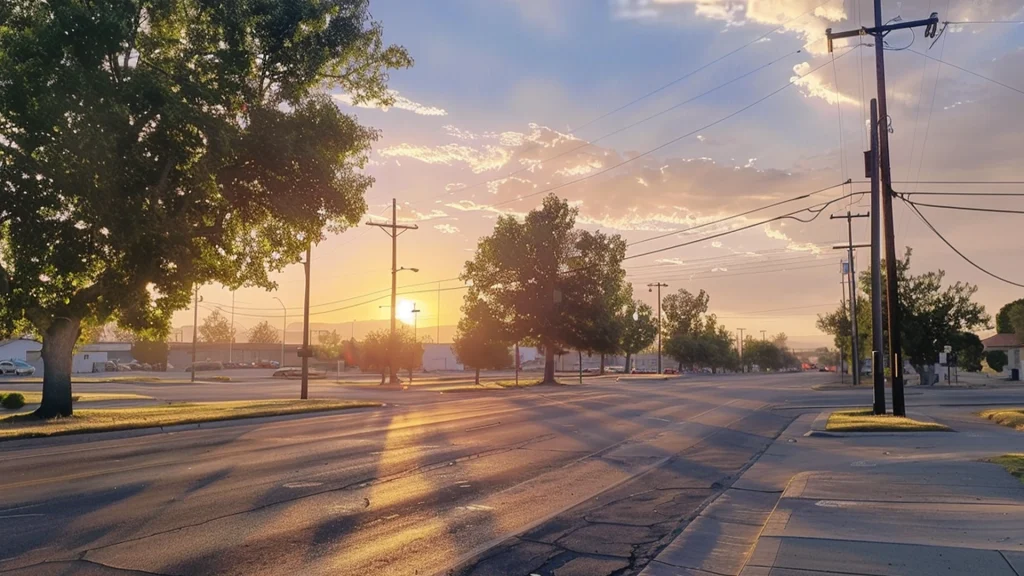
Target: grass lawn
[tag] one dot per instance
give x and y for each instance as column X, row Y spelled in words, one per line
column 1012, row 417
column 864, row 420
column 104, row 420
column 1014, row 464
column 37, row 397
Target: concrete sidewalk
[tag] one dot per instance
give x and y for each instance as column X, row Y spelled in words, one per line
column 880, row 505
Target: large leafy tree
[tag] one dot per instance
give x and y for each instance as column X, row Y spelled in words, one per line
column 216, row 328
column 1003, row 323
column 639, row 329
column 541, row 276
column 375, row 351
column 147, row 146
column 969, row 351
column 263, row 333
column 481, row 341
column 932, row 315
column 1016, row 315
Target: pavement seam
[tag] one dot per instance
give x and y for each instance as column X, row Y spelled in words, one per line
column 662, row 562
column 1008, row 563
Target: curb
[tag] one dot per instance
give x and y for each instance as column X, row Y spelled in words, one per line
column 86, row 437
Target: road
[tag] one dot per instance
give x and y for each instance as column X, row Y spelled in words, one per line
column 590, row 480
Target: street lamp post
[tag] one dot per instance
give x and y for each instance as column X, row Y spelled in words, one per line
column 393, row 372
column 284, row 328
column 650, row 288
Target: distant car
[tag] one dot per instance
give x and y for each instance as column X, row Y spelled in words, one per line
column 670, row 371
column 205, row 365
column 16, row 367
column 268, row 364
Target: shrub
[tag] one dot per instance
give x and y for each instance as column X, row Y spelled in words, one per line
column 996, row 360
column 13, row 401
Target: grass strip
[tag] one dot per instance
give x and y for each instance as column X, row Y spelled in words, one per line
column 864, row 420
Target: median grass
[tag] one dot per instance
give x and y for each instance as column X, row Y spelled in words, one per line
column 111, row 419
column 37, row 397
column 1014, row 464
column 1012, row 417
column 864, row 420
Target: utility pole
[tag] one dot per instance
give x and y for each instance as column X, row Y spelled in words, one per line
column 195, row 330
column 842, row 352
column 852, row 278
column 415, row 338
column 392, row 229
column 879, row 31
column 651, row 287
column 231, row 341
column 877, row 336
column 763, row 337
column 306, row 352
column 284, row 328
column 438, row 340
column 740, row 348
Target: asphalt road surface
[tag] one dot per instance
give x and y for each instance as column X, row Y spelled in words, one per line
column 591, row 480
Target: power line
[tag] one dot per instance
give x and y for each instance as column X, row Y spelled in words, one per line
column 1015, row 194
column 705, row 66
column 720, row 220
column 770, row 271
column 966, row 208
column 349, row 299
column 958, row 252
column 986, row 22
column 670, row 142
column 791, row 215
column 703, row 269
column 971, row 72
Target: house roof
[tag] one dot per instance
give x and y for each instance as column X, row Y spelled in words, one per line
column 12, row 340
column 1002, row 341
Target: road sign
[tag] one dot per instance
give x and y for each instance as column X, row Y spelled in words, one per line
column 947, row 349
column 942, row 358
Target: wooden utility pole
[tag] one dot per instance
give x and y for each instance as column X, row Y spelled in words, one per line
column 306, row 352
column 877, row 336
column 650, row 287
column 195, row 330
column 393, row 229
column 879, row 31
column 739, row 348
column 852, row 279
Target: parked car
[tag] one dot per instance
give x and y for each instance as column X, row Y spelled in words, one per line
column 268, row 364
column 670, row 371
column 205, row 365
column 16, row 367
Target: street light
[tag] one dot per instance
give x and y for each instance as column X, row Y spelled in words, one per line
column 284, row 329
column 391, row 355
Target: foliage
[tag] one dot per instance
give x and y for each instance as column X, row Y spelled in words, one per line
column 350, row 352
column 827, row 357
column 263, row 333
column 931, row 315
column 376, row 351
column 684, row 312
column 480, row 340
column 547, row 283
column 969, row 350
column 640, row 332
column 1003, row 323
column 328, row 345
column 13, row 401
column 996, row 359
column 153, row 145
column 693, row 337
column 216, row 328
column 1016, row 314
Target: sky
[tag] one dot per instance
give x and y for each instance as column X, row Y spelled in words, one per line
column 654, row 116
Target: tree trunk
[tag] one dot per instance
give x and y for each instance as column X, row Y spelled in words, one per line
column 626, row 370
column 549, row 365
column 477, row 376
column 58, row 350
column 602, row 365
column 382, row 378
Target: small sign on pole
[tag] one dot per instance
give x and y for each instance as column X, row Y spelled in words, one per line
column 947, row 349
column 942, row 358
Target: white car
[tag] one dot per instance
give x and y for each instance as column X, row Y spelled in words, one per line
column 16, row 367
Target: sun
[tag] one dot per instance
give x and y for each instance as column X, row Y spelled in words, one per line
column 404, row 311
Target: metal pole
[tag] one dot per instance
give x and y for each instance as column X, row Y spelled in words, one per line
column 877, row 330
column 438, row 340
column 740, row 350
column 659, row 286
column 855, row 352
column 517, row 364
column 842, row 356
column 231, row 340
column 195, row 329
column 284, row 328
column 304, row 393
column 892, row 297
column 763, row 337
column 394, row 288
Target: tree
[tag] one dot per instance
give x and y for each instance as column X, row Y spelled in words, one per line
column 932, row 315
column 1016, row 314
column 684, row 312
column 1003, row 323
column 409, row 352
column 639, row 330
column 263, row 333
column 541, row 276
column 351, row 352
column 328, row 345
column 152, row 146
column 374, row 353
column 826, row 357
column 216, row 328
column 969, row 351
column 996, row 360
column 480, row 340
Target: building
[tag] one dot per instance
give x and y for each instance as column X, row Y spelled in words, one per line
column 439, row 358
column 19, row 349
column 1010, row 344
column 180, row 353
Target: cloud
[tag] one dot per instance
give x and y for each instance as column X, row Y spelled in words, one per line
column 814, row 87
column 446, row 228
column 478, row 159
column 401, row 103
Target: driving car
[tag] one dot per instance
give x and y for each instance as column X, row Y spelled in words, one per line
column 16, row 367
